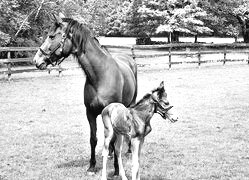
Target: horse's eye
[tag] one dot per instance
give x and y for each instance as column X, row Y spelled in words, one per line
column 51, row 37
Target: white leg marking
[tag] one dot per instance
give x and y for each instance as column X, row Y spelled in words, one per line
column 135, row 159
column 108, row 131
column 118, row 151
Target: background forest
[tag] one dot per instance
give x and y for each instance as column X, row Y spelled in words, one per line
column 25, row 22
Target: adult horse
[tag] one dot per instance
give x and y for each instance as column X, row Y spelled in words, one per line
column 108, row 79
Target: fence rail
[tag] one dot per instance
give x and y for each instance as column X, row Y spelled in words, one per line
column 8, row 61
column 167, row 50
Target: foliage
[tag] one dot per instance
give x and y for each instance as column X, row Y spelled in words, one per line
column 25, row 22
column 116, row 21
column 185, row 17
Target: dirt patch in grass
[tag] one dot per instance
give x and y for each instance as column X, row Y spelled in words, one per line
column 44, row 133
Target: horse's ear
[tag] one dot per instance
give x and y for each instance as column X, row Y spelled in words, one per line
column 58, row 19
column 61, row 15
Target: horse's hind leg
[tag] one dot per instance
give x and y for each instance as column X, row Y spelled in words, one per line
column 108, row 132
column 118, row 151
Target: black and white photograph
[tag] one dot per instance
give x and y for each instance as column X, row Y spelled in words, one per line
column 124, row 89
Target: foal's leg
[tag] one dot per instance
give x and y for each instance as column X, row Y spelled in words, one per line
column 118, row 151
column 93, row 138
column 108, row 131
column 135, row 158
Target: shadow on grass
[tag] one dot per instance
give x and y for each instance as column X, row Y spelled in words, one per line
column 74, row 163
column 82, row 163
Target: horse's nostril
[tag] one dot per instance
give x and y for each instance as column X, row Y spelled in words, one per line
column 41, row 66
column 37, row 66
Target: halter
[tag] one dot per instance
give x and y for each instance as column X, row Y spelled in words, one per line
column 157, row 103
column 48, row 55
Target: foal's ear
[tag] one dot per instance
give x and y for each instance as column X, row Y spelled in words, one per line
column 161, row 86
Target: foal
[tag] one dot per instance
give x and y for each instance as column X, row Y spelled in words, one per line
column 133, row 123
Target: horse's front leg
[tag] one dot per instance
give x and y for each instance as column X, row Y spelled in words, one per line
column 93, row 139
column 135, row 158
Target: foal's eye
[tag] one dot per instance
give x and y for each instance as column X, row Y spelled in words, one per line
column 166, row 103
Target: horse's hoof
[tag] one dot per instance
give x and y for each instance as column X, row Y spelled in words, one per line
column 116, row 173
column 110, row 156
column 91, row 171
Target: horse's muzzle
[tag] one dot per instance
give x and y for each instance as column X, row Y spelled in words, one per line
column 41, row 66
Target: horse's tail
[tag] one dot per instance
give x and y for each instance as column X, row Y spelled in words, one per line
column 134, row 69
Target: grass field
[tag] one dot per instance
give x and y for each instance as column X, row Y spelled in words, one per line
column 44, row 133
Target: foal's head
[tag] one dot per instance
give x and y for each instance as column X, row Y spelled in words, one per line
column 162, row 104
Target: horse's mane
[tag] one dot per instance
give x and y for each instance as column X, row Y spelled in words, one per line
column 141, row 101
column 80, row 33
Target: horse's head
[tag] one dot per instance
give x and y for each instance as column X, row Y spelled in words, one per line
column 163, row 106
column 56, row 47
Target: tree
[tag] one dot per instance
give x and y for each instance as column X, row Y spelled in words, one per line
column 242, row 14
column 23, row 22
column 227, row 17
column 116, row 20
column 133, row 23
column 174, row 17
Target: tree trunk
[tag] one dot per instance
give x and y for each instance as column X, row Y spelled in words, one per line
column 236, row 39
column 196, row 36
column 175, row 36
column 244, row 23
column 169, row 37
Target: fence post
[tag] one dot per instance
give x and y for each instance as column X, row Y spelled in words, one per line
column 132, row 52
column 248, row 59
column 60, row 70
column 199, row 57
column 169, row 58
column 225, row 56
column 9, row 65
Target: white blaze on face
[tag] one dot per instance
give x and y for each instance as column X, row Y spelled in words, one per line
column 39, row 58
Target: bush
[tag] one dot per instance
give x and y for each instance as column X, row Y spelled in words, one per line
column 143, row 41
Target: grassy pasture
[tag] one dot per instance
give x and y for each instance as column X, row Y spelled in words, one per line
column 44, row 133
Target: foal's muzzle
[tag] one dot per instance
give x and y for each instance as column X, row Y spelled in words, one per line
column 167, row 114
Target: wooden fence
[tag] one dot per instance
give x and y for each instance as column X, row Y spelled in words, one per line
column 138, row 51
column 191, row 50
column 9, row 61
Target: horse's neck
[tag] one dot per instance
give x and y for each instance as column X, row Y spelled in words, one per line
column 145, row 111
column 93, row 62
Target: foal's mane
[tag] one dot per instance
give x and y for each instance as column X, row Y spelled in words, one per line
column 142, row 101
